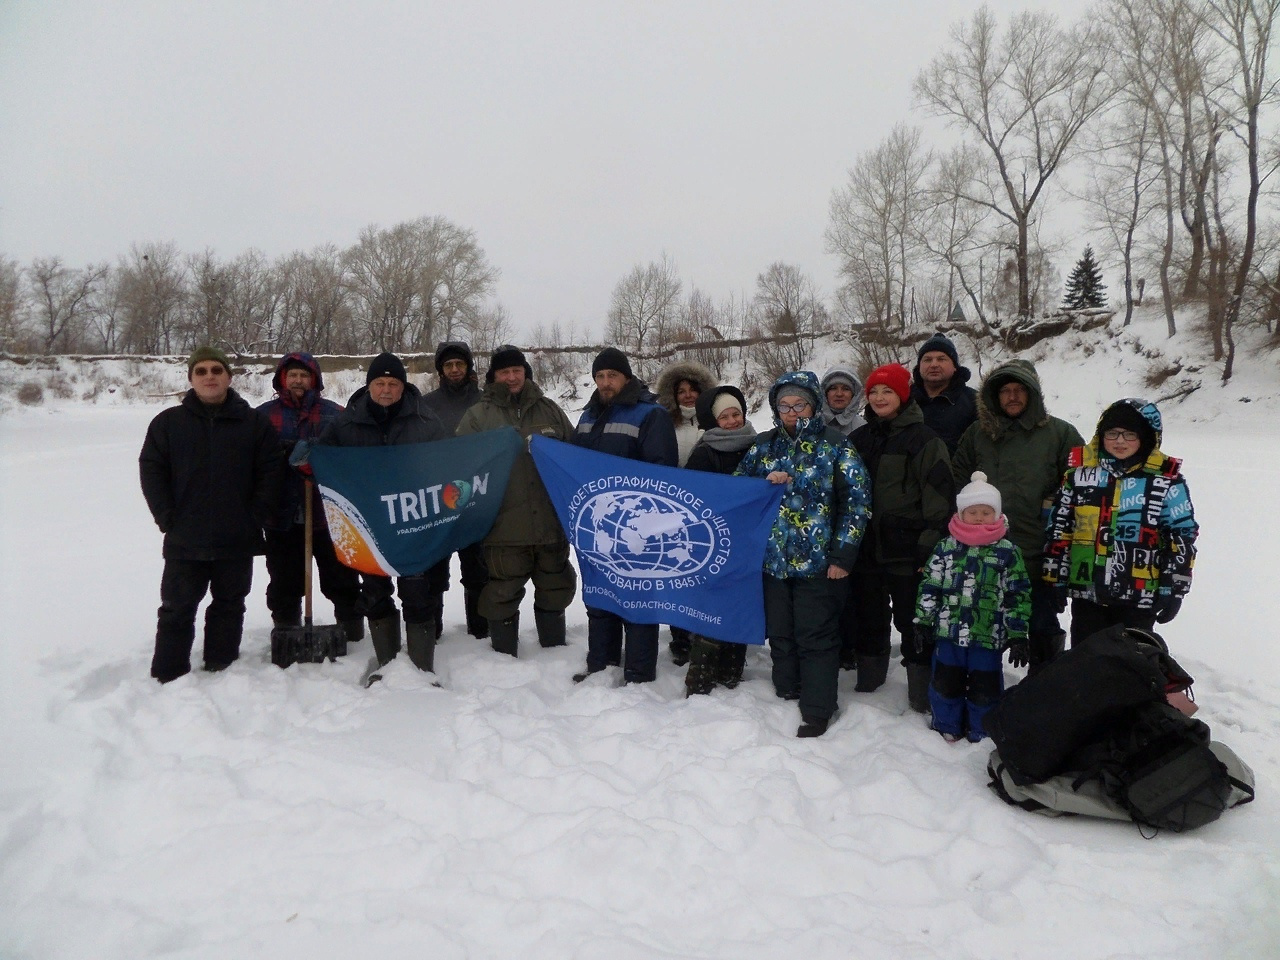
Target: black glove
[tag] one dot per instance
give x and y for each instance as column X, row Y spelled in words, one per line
column 920, row 638
column 1167, row 607
column 1019, row 653
column 1060, row 599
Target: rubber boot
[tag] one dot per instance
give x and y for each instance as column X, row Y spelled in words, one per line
column 477, row 625
column 385, row 635
column 420, row 640
column 504, row 635
column 436, row 606
column 918, row 675
column 353, row 629
column 550, row 624
column 872, row 672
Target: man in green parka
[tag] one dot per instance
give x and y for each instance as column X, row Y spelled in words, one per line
column 527, row 541
column 1023, row 451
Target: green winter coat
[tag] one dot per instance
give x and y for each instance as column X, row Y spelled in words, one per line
column 526, row 517
column 1024, row 458
column 911, row 489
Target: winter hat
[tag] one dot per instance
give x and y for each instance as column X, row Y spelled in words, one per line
column 978, row 491
column 894, row 376
column 838, row 375
column 611, row 358
column 507, row 356
column 207, row 353
column 723, row 402
column 798, row 391
column 386, row 365
column 452, row 350
column 1126, row 416
column 942, row 343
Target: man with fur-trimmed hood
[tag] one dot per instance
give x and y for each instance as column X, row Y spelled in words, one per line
column 458, row 392
column 298, row 412
column 1024, row 452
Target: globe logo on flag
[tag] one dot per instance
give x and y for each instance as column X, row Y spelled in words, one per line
column 642, row 534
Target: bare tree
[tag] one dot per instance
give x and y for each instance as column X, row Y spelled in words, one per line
column 645, row 308
column 875, row 224
column 788, row 314
column 62, row 301
column 315, row 311
column 153, row 289
column 253, row 298
column 383, row 277
column 1025, row 97
column 1245, row 27
column 454, row 280
column 955, row 232
column 489, row 328
column 13, row 307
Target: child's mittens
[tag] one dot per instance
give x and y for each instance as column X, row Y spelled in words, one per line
column 1167, row 607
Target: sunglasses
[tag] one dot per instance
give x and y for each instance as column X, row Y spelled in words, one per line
column 214, row 370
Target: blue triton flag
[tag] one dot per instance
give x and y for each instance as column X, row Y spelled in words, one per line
column 663, row 545
column 398, row 510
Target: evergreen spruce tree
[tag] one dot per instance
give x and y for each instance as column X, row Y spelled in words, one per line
column 1084, row 286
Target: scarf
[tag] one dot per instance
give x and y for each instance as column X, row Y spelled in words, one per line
column 730, row 441
column 977, row 534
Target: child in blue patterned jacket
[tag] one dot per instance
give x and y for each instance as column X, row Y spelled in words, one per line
column 974, row 601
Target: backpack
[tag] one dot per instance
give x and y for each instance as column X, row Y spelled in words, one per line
column 1078, row 698
column 1159, row 768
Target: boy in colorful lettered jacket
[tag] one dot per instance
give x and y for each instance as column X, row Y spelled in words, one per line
column 1122, row 531
column 974, row 601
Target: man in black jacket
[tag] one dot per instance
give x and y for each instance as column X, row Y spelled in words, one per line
column 457, row 393
column 388, row 409
column 940, row 386
column 210, row 471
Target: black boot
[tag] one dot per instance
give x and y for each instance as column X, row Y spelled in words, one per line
column 812, row 727
column 733, row 658
column 918, row 687
column 385, row 634
column 872, row 672
column 550, row 624
column 680, row 645
column 504, row 635
column 435, row 608
column 420, row 640
column 353, row 629
column 477, row 625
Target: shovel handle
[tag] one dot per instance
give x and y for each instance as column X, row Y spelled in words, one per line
column 306, row 554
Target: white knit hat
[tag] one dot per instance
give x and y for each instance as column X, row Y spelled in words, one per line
column 979, row 491
column 723, row 402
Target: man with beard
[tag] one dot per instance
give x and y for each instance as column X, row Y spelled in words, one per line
column 298, row 412
column 456, row 394
column 623, row 418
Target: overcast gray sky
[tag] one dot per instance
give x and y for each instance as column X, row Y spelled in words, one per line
column 576, row 139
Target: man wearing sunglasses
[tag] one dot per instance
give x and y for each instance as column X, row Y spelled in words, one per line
column 210, row 470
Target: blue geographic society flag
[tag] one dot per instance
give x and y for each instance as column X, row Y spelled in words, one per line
column 398, row 510
column 663, row 545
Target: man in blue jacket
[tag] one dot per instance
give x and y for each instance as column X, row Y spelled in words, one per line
column 623, row 418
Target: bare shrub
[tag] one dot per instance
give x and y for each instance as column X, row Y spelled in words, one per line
column 31, row 394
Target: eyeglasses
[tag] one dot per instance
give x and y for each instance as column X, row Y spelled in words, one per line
column 800, row 407
column 214, row 371
column 1126, row 435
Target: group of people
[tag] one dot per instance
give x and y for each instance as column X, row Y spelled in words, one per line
column 963, row 519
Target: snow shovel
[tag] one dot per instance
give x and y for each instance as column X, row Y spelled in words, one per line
column 307, row 643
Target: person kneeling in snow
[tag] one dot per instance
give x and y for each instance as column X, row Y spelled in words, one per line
column 1122, row 533
column 974, row 600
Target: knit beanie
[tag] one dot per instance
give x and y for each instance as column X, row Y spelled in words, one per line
column 795, row 390
column 611, row 358
column 1125, row 416
column 507, row 356
column 207, row 353
column 452, row 351
column 978, row 491
column 894, row 376
column 942, row 343
column 723, row 402
column 386, row 365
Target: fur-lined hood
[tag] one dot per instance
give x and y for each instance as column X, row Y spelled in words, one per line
column 991, row 418
column 672, row 374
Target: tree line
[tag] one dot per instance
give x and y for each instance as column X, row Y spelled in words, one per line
column 1166, row 106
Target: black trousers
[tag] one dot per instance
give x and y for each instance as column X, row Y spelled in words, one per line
column 474, row 572
column 1087, row 618
column 802, row 619
column 182, row 587
column 285, row 554
column 416, row 597
column 875, row 591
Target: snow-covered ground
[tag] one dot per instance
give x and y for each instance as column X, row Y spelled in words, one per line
column 291, row 814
